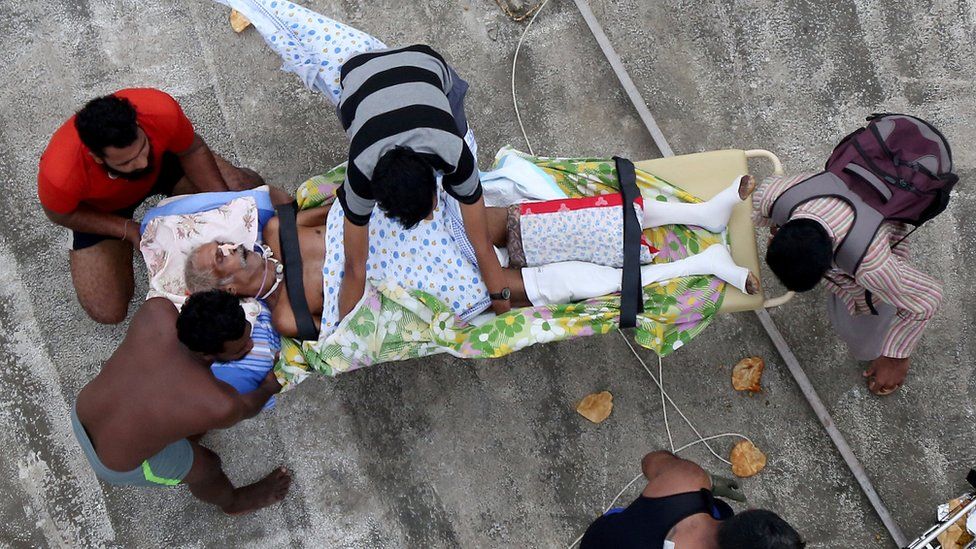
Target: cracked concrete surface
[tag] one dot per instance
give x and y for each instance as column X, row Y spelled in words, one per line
column 442, row 452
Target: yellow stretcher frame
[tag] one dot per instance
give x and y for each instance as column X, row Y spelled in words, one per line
column 705, row 175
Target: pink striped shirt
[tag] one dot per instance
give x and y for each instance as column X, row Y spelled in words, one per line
column 885, row 270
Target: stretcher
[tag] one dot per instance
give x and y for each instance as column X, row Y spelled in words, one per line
column 403, row 325
column 664, row 328
column 705, row 175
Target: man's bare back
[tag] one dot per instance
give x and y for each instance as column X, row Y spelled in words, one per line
column 150, row 397
column 151, row 392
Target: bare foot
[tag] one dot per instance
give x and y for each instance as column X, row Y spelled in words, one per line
column 267, row 491
column 747, row 184
column 752, row 284
column 886, row 375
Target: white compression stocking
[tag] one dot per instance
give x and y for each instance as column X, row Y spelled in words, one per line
column 712, row 215
column 715, row 261
column 570, row 281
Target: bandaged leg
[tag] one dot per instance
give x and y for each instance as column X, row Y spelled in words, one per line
column 310, row 44
column 712, row 215
column 715, row 261
column 575, row 280
column 569, row 281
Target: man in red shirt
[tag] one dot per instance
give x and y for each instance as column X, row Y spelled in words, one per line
column 102, row 164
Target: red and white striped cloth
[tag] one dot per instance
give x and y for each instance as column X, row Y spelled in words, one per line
column 885, row 271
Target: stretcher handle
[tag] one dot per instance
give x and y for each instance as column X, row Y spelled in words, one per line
column 777, row 170
column 763, row 153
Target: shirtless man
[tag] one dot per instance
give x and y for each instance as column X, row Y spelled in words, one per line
column 245, row 273
column 677, row 509
column 139, row 420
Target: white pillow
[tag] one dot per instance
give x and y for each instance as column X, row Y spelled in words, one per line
column 168, row 241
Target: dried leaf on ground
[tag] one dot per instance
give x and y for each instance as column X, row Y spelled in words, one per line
column 747, row 460
column 238, row 22
column 956, row 537
column 596, row 407
column 517, row 10
column 747, row 374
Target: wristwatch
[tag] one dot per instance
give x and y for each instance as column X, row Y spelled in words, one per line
column 503, row 295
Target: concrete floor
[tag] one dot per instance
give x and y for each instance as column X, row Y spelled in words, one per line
column 441, row 452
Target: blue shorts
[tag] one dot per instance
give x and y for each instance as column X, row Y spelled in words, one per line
column 166, row 468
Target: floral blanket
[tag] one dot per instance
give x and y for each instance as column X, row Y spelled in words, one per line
column 393, row 323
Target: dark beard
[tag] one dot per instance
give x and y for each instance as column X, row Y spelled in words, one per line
column 133, row 175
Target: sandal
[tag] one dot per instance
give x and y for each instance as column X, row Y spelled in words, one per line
column 882, row 392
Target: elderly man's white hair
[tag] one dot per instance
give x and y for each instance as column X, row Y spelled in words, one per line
column 199, row 278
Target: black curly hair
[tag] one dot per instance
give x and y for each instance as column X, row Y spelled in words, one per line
column 800, row 253
column 403, row 185
column 108, row 121
column 209, row 319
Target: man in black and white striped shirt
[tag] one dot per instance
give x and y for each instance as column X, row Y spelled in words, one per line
column 403, row 111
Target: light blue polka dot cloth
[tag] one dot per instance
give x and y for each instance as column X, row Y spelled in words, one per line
column 310, row 44
column 435, row 256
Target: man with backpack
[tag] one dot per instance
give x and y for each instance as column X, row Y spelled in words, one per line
column 847, row 225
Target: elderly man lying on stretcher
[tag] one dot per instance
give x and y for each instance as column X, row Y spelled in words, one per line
column 556, row 251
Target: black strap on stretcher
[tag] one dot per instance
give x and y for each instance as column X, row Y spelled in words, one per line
column 291, row 257
column 631, row 293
